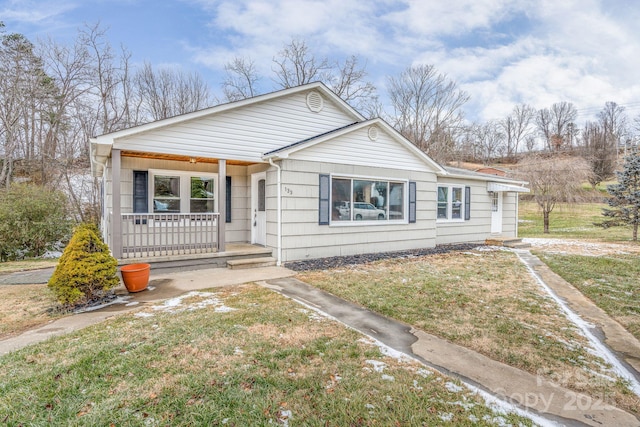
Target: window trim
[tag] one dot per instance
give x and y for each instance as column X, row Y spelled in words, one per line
column 185, row 188
column 355, row 223
column 463, row 202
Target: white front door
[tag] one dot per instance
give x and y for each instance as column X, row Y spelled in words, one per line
column 258, row 209
column 496, row 213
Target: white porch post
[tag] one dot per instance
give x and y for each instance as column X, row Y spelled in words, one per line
column 116, row 217
column 222, row 203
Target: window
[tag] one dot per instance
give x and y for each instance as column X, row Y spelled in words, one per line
column 357, row 199
column 494, row 202
column 182, row 192
column 451, row 203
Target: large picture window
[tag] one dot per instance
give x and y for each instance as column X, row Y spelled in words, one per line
column 358, row 199
column 451, row 203
column 177, row 192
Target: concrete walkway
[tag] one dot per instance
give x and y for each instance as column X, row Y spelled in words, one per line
column 161, row 287
column 531, row 393
column 534, row 394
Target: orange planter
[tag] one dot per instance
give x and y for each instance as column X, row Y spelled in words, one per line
column 135, row 276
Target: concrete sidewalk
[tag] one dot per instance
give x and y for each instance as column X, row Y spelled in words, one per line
column 514, row 386
column 161, row 287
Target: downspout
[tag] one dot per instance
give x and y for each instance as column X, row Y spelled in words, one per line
column 279, row 211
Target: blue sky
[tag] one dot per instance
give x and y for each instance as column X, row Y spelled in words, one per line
column 501, row 52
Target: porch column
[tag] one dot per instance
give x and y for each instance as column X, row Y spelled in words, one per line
column 222, row 203
column 116, row 217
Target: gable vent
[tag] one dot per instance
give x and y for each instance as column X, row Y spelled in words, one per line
column 373, row 133
column 315, row 102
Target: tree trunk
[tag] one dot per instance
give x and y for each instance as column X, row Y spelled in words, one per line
column 546, row 222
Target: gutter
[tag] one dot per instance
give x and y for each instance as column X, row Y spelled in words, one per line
column 278, row 211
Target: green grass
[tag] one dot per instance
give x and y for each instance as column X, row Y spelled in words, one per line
column 569, row 221
column 611, row 281
column 485, row 301
column 267, row 361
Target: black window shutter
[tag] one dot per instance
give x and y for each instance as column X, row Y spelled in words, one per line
column 467, row 203
column 140, row 189
column 324, row 208
column 412, row 201
column 228, row 200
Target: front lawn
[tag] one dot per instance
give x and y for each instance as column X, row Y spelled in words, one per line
column 483, row 300
column 25, row 306
column 569, row 221
column 612, row 282
column 242, row 356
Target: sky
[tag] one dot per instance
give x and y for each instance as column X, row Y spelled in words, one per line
column 500, row 52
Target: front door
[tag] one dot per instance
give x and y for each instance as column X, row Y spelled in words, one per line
column 258, row 209
column 496, row 213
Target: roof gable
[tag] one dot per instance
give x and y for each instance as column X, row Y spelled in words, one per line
column 368, row 143
column 242, row 130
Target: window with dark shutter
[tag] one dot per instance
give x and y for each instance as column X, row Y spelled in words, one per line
column 140, row 189
column 412, row 201
column 467, row 203
column 228, row 200
column 324, row 208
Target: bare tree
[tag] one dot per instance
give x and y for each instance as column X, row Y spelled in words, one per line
column 241, row 81
column 554, row 180
column 516, row 128
column 599, row 151
column 169, row 92
column 295, row 65
column 427, row 109
column 556, row 124
column 348, row 82
column 489, row 139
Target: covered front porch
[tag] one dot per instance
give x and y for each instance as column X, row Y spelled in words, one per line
column 139, row 230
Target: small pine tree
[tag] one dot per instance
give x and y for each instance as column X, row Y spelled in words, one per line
column 624, row 199
column 86, row 270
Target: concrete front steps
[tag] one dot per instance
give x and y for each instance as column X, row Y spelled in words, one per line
column 508, row 242
column 238, row 264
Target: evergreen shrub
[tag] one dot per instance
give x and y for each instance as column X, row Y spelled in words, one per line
column 33, row 219
column 86, row 271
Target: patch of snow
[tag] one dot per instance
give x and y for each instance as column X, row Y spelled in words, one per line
column 424, row 372
column 454, row 388
column 284, row 416
column 378, row 366
column 386, row 377
column 416, row 386
column 175, row 305
column 369, row 406
column 598, row 347
column 143, row 314
column 446, row 417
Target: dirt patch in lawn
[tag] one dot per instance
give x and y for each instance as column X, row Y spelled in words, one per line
column 23, row 307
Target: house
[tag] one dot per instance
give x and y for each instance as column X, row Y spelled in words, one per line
column 298, row 173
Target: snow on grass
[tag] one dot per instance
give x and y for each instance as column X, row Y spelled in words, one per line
column 178, row 305
column 598, row 348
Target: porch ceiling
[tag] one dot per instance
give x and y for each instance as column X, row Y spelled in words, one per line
column 159, row 156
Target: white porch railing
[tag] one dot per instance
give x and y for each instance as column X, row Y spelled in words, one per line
column 149, row 235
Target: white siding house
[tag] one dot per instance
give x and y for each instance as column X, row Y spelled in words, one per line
column 298, row 172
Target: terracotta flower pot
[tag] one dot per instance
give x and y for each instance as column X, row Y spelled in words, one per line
column 135, row 276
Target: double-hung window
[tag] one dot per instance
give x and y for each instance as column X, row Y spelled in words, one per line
column 366, row 199
column 451, row 203
column 181, row 192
